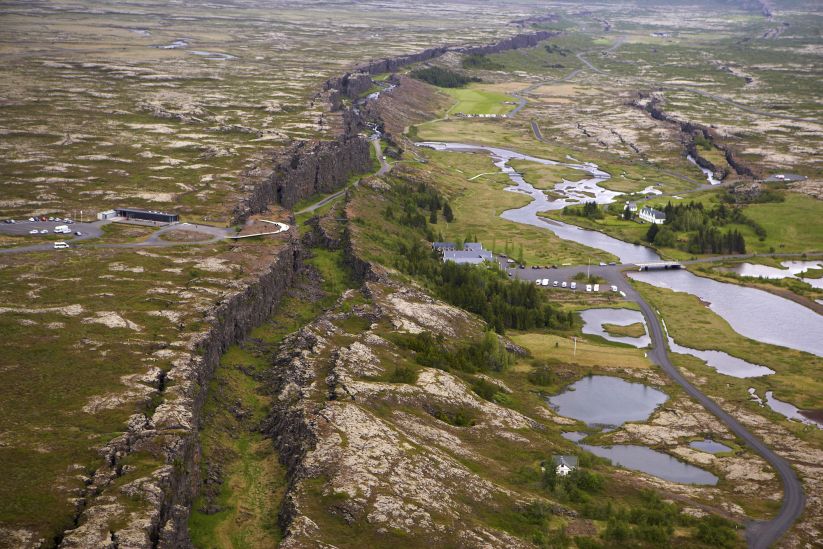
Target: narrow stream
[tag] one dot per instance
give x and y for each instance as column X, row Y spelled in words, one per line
column 707, row 172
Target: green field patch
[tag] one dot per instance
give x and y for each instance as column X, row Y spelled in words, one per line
column 473, row 99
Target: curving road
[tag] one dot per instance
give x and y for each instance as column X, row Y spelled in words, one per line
column 761, row 534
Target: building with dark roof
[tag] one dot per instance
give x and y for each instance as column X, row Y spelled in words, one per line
column 652, row 216
column 148, row 215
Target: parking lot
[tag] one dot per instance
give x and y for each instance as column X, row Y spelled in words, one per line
column 43, row 228
column 560, row 274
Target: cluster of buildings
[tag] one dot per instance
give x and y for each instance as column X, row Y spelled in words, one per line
column 471, row 253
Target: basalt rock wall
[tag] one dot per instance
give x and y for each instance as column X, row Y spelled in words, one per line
column 171, row 431
column 304, row 169
column 689, row 130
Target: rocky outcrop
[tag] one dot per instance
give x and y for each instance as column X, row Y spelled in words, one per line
column 652, row 104
column 171, row 432
column 304, row 169
column 515, row 42
column 354, row 447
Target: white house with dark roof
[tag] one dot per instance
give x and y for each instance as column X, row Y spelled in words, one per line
column 651, row 215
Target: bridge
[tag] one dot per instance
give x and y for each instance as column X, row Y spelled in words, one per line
column 659, row 265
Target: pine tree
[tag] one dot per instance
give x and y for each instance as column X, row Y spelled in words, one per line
column 448, row 214
column 652, row 232
column 433, row 217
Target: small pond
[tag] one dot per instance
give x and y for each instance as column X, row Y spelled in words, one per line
column 607, row 401
column 594, row 319
column 646, row 460
column 724, row 363
column 709, row 446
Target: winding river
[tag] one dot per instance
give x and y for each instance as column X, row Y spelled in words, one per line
column 751, row 312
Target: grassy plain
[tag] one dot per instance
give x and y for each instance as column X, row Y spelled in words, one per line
column 476, row 99
column 588, row 355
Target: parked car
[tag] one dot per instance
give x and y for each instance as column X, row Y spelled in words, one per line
column 564, row 284
column 78, row 233
column 545, row 282
column 602, row 264
column 60, row 245
column 612, row 263
column 614, row 288
column 44, row 231
column 555, row 283
column 574, row 285
column 34, row 231
column 588, row 287
column 597, row 287
column 51, row 219
column 31, row 219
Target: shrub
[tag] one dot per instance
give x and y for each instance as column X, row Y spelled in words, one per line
column 444, row 78
column 403, row 374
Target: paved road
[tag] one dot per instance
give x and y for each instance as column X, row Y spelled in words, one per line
column 580, row 55
column 95, row 230
column 759, row 534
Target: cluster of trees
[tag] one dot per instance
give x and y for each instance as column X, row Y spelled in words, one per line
column 589, row 209
column 484, row 355
column 444, row 78
column 703, row 224
column 478, row 61
column 501, row 302
column 554, row 48
column 414, row 198
column 653, row 522
column 576, row 485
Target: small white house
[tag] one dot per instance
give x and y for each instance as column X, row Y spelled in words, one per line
column 631, row 206
column 108, row 214
column 651, row 215
column 564, row 464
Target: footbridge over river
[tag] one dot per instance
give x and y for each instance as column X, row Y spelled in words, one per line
column 658, row 265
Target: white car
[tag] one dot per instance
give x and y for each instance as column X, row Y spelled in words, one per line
column 564, row 284
column 614, row 288
column 573, row 285
column 60, row 245
column 44, row 231
column 34, row 231
column 597, row 287
column 545, row 282
column 32, row 220
column 555, row 283
column 588, row 287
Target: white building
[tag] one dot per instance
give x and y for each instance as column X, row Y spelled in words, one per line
column 564, row 464
column 651, row 215
column 632, row 206
column 108, row 214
